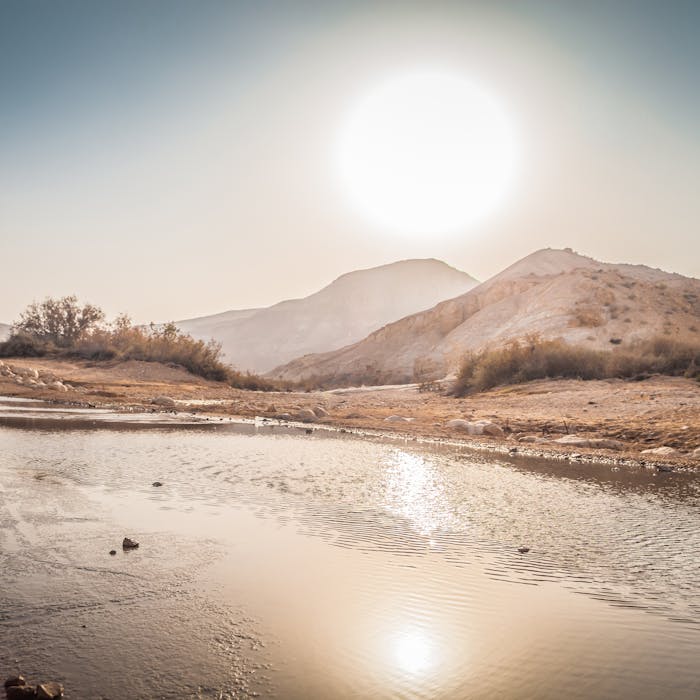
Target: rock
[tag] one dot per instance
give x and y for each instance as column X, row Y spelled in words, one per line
column 600, row 443
column 480, row 427
column 112, row 552
column 163, row 401
column 397, row 419
column 57, row 386
column 531, row 438
column 695, row 454
column 128, row 543
column 156, row 483
column 663, row 468
column 321, row 412
column 309, row 431
column 14, row 681
column 306, row 415
column 664, row 451
column 49, row 691
column 20, row 692
column 523, row 550
column 283, row 416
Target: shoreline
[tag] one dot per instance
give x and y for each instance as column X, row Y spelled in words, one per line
column 630, row 416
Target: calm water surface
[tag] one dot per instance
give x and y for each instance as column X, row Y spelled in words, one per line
column 281, row 564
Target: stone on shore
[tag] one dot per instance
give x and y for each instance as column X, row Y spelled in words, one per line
column 306, row 415
column 163, row 401
column 20, row 692
column 600, row 443
column 480, row 427
column 321, row 412
column 397, row 419
column 49, row 691
column 664, row 451
column 128, row 543
column 14, row 681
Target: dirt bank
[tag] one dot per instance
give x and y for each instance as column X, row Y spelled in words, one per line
column 633, row 416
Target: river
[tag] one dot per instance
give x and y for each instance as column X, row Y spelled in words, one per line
column 278, row 563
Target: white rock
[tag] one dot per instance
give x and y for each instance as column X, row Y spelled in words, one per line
column 397, row 419
column 664, row 451
column 480, row 427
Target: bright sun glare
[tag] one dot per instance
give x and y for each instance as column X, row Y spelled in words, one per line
column 427, row 152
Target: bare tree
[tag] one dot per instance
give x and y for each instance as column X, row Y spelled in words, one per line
column 61, row 321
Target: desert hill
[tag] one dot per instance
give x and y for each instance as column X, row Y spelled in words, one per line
column 553, row 293
column 344, row 312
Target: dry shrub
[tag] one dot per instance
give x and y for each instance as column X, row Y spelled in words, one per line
column 535, row 358
column 587, row 316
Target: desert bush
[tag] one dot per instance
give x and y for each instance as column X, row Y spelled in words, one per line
column 24, row 345
column 587, row 317
column 63, row 328
column 59, row 321
column 535, row 358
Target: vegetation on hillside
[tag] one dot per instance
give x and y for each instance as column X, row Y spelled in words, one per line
column 535, row 358
column 63, row 327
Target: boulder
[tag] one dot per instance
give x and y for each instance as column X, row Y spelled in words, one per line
column 321, row 412
column 20, row 692
column 14, row 681
column 664, row 451
column 128, row 543
column 49, row 691
column 283, row 416
column 57, row 386
column 163, row 401
column 695, row 454
column 306, row 415
column 480, row 427
column 397, row 419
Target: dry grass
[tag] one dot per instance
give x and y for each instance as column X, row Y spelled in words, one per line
column 124, row 341
column 535, row 358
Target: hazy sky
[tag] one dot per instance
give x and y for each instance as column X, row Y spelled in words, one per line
column 172, row 159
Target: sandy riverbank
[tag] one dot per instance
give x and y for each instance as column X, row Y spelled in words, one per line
column 634, row 416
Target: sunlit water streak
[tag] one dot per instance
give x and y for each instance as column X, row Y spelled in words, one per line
column 296, row 566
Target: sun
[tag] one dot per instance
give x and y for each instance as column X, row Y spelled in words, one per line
column 426, row 152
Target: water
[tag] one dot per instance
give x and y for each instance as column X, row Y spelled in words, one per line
column 281, row 564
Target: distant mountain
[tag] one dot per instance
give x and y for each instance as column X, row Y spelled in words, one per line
column 4, row 331
column 344, row 312
column 554, row 293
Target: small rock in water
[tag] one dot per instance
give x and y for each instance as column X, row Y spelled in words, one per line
column 128, row 543
column 523, row 550
column 20, row 692
column 112, row 551
column 49, row 691
column 663, row 468
column 156, row 483
column 14, row 681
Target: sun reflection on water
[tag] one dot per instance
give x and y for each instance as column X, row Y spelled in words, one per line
column 415, row 491
column 414, row 654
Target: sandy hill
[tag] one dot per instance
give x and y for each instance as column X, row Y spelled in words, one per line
column 344, row 312
column 555, row 293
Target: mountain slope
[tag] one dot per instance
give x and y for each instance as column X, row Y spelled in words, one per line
column 554, row 293
column 345, row 311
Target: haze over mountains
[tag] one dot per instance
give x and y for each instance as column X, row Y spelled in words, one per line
column 342, row 313
column 554, row 293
